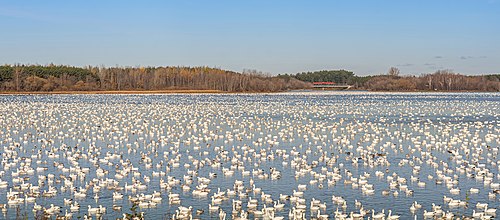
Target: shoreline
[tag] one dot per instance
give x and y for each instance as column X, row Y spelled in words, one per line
column 194, row 91
column 111, row 92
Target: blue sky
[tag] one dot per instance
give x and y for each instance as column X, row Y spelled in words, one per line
column 364, row 36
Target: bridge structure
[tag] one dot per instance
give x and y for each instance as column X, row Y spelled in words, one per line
column 330, row 85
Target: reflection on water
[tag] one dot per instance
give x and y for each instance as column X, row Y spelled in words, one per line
column 375, row 151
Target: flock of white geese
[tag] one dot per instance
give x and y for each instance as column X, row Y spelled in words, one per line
column 274, row 156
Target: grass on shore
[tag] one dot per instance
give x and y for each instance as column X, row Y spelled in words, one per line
column 112, row 92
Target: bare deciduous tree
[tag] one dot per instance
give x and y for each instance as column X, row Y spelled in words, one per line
column 18, row 70
column 393, row 71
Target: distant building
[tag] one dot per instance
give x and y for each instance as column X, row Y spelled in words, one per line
column 330, row 85
column 323, row 83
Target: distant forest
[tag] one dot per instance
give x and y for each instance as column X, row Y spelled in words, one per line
column 337, row 76
column 442, row 80
column 22, row 78
column 38, row 78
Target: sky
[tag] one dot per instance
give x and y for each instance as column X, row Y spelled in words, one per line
column 289, row 36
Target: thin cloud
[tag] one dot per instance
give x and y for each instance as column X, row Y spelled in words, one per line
column 438, row 57
column 467, row 57
column 20, row 14
column 13, row 13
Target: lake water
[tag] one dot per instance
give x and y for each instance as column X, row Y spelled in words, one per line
column 407, row 147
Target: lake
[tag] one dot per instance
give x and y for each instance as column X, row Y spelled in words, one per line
column 242, row 155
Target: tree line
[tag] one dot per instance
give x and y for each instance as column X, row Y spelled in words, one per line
column 25, row 78
column 337, row 76
column 91, row 78
column 342, row 77
column 442, row 80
